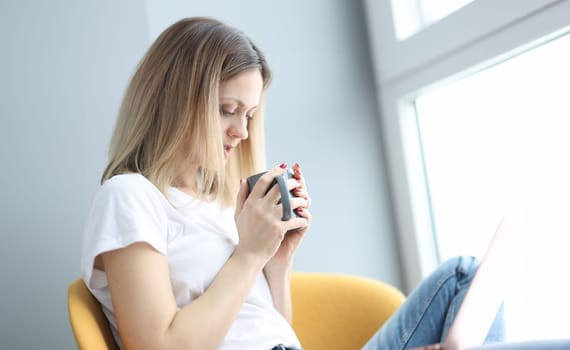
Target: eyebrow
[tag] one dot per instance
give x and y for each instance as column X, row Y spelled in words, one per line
column 238, row 101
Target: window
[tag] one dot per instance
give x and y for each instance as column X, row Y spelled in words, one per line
column 474, row 119
column 494, row 140
column 411, row 16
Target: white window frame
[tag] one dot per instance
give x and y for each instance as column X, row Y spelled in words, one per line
column 482, row 33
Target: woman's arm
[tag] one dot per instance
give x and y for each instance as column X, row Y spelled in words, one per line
column 278, row 269
column 143, row 300
column 145, row 308
column 280, row 286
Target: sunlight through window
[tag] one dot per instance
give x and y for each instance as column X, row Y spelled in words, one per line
column 494, row 140
column 411, row 16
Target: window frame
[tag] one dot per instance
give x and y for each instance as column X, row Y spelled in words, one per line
column 481, row 34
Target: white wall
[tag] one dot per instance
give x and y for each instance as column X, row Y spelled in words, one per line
column 63, row 69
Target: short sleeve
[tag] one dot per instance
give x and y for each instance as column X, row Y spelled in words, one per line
column 126, row 209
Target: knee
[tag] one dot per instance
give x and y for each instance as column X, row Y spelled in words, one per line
column 463, row 266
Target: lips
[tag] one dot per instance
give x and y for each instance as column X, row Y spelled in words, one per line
column 227, row 150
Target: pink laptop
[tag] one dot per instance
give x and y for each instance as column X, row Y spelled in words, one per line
column 488, row 288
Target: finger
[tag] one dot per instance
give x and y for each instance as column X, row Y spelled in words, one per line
column 263, row 183
column 241, row 196
column 295, row 187
column 307, row 198
column 292, row 184
column 298, row 202
column 296, row 223
column 297, row 171
column 298, row 175
column 273, row 196
column 299, row 192
column 294, row 237
column 304, row 213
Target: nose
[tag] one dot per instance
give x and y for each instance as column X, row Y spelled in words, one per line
column 238, row 128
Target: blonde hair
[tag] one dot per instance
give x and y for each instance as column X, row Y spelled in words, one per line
column 169, row 117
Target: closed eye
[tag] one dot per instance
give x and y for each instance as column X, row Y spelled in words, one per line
column 226, row 113
column 230, row 113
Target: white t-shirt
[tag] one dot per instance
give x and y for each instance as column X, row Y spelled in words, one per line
column 197, row 237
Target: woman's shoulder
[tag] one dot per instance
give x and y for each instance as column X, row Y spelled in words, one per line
column 130, row 186
column 127, row 180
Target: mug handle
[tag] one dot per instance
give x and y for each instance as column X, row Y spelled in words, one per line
column 285, row 199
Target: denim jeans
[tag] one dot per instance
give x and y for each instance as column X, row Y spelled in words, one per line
column 428, row 312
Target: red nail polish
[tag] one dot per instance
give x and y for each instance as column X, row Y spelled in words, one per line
column 283, row 165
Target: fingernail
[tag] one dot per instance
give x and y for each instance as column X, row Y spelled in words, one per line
column 296, row 166
column 283, row 165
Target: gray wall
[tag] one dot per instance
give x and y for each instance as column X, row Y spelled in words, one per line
column 63, row 69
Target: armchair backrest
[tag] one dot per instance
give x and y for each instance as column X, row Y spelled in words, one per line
column 90, row 326
column 329, row 312
column 335, row 311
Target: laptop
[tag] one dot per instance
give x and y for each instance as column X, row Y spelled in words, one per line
column 488, row 288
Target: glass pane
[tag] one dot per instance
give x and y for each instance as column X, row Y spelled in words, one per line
column 493, row 140
column 434, row 10
column 411, row 16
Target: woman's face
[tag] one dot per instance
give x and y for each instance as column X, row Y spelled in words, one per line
column 239, row 97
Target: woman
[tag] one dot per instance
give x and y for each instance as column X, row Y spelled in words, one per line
column 175, row 249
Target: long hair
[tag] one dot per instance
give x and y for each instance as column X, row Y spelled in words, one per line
column 169, row 116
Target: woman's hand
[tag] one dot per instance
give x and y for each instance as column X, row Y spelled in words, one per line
column 283, row 257
column 258, row 216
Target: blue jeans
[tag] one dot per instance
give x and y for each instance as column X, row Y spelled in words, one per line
column 427, row 314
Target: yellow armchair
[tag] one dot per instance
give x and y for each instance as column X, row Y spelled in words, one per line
column 88, row 323
column 334, row 311
column 330, row 311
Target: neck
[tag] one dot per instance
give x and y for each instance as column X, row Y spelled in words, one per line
column 186, row 180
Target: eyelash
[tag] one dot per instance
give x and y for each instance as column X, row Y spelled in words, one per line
column 226, row 113
column 231, row 114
